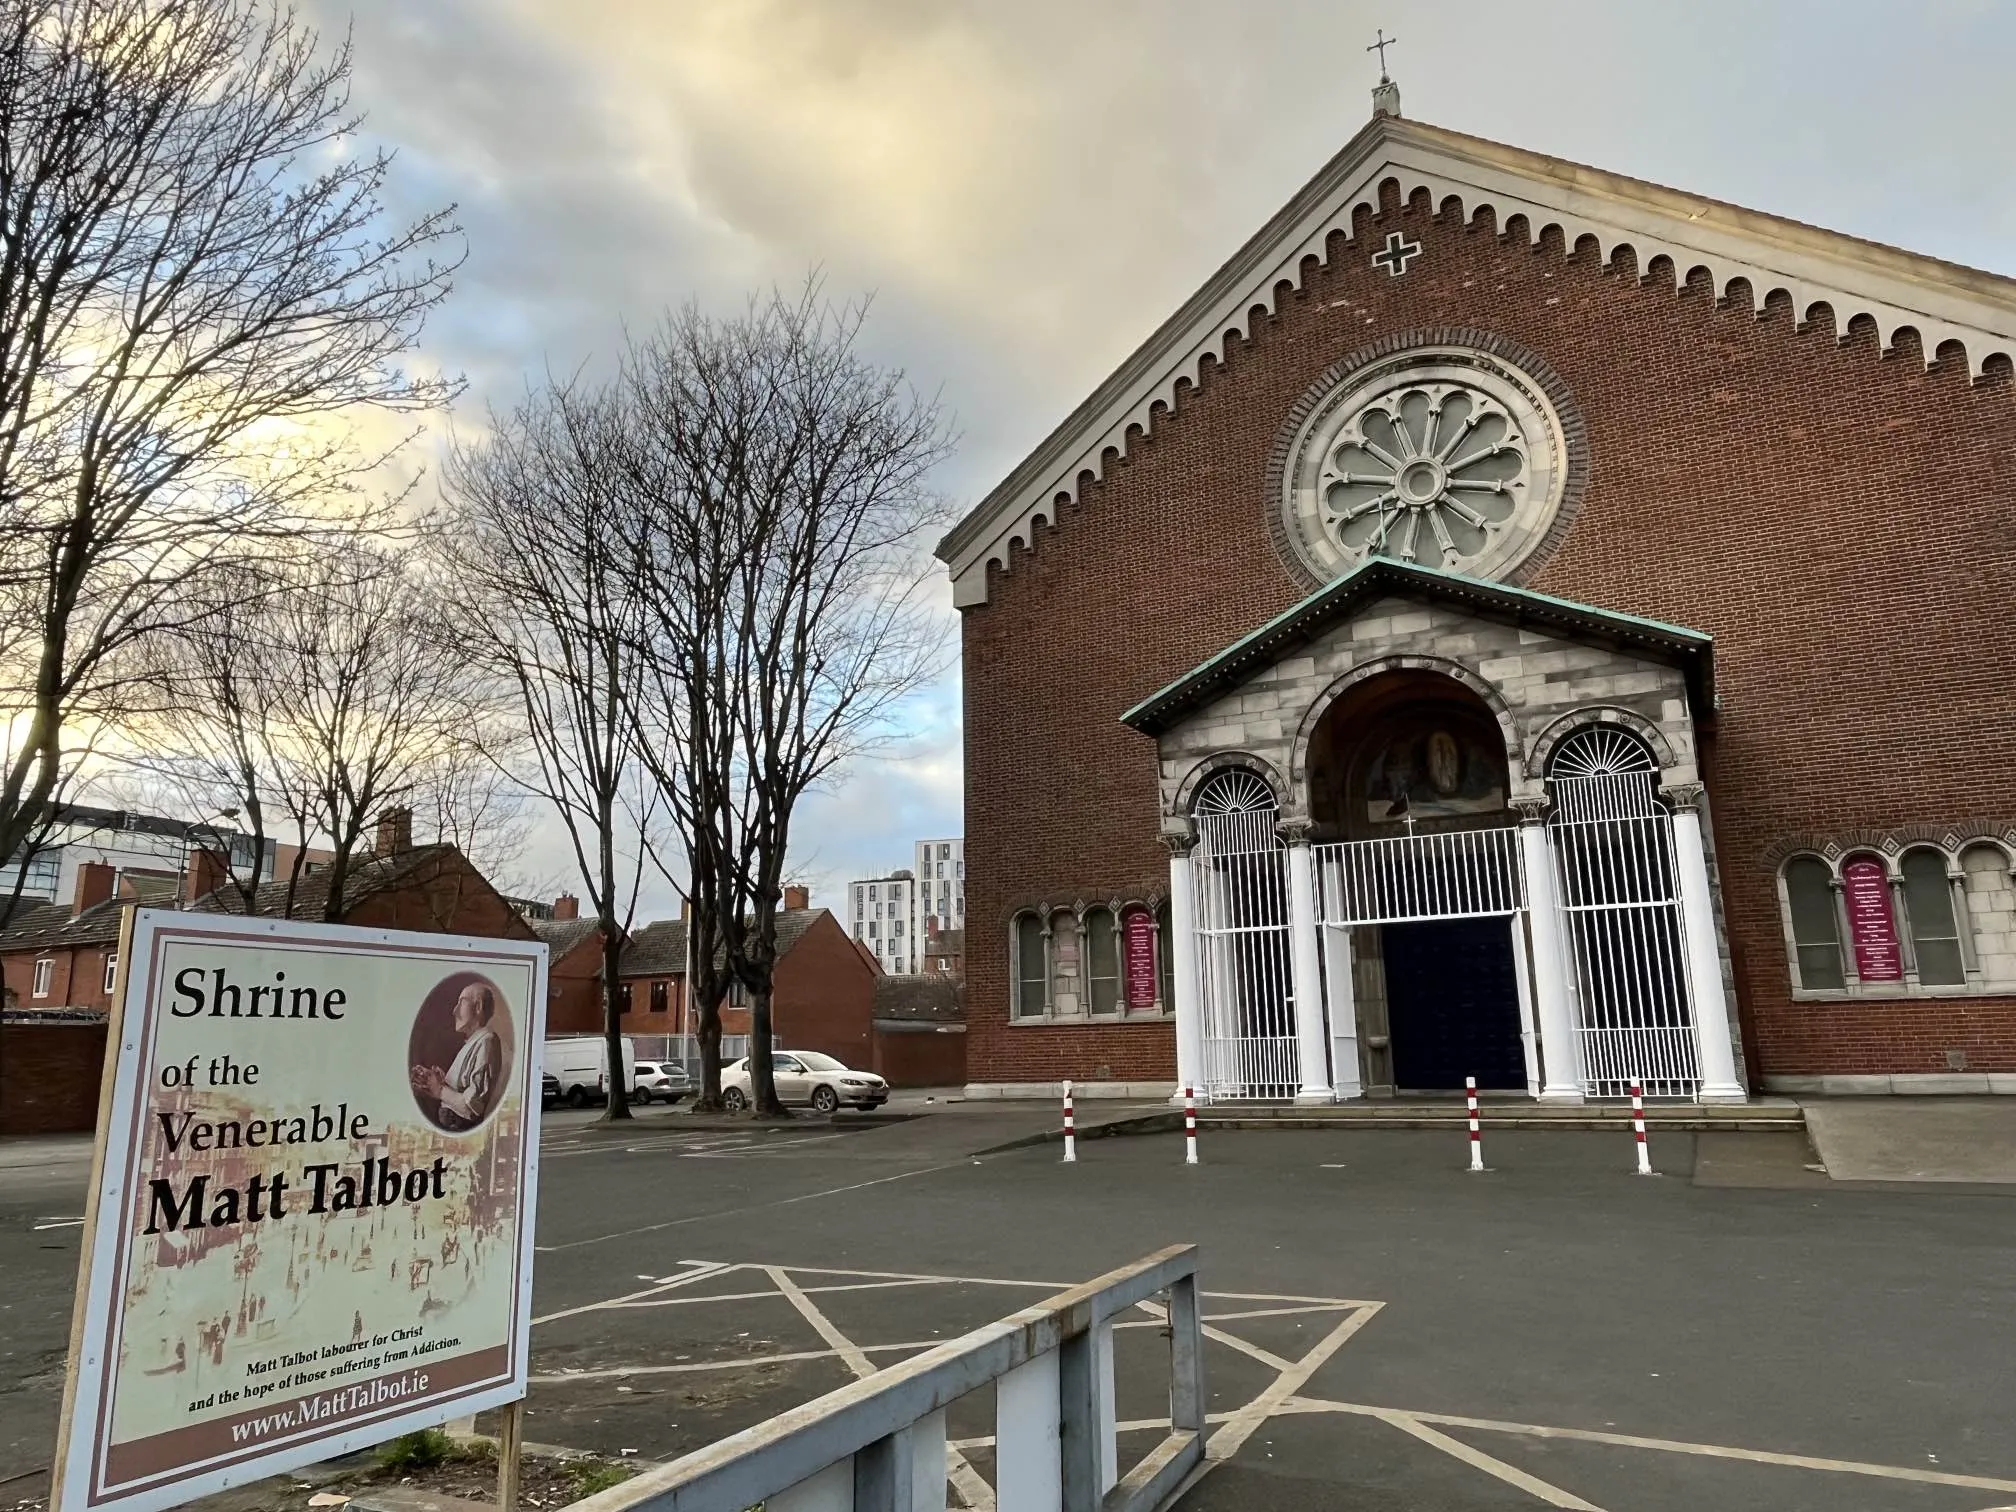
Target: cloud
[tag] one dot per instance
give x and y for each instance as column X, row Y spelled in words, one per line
column 1030, row 189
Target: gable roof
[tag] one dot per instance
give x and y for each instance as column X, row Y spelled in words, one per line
column 368, row 875
column 1942, row 301
column 47, row 926
column 35, row 925
column 563, row 936
column 1382, row 577
column 655, row 950
column 660, row 949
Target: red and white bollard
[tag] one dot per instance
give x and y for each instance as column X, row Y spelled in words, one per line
column 1070, row 1128
column 1476, row 1131
column 1638, row 1127
column 1189, row 1126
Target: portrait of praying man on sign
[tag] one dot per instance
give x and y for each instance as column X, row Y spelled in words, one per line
column 457, row 1092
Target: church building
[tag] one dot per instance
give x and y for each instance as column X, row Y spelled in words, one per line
column 1514, row 621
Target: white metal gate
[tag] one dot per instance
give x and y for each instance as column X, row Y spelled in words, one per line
column 1241, row 876
column 1620, row 907
column 1402, row 879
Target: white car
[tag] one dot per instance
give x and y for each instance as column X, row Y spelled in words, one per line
column 806, row 1076
column 661, row 1081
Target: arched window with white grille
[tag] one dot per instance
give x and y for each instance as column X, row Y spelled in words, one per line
column 1612, row 840
column 1239, row 871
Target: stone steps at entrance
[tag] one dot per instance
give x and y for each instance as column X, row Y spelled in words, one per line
column 1767, row 1116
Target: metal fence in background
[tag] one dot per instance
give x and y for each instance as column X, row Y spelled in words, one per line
column 685, row 1049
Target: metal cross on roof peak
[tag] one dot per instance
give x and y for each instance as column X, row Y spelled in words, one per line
column 1380, row 47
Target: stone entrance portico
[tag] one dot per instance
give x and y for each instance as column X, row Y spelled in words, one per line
column 1398, row 726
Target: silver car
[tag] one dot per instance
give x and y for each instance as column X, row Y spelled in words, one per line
column 806, row 1076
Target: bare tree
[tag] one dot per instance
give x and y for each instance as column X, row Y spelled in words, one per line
column 547, row 600
column 196, row 273
column 317, row 706
column 218, row 739
column 474, row 798
column 787, row 505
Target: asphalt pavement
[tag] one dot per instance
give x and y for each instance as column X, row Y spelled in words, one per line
column 1737, row 1332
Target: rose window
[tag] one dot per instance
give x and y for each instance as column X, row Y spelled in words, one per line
column 1428, row 473
column 1443, row 458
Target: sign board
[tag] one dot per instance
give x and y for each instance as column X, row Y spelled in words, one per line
column 314, row 1188
column 1137, row 933
column 1872, row 921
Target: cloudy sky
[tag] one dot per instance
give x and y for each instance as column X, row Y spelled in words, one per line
column 1028, row 186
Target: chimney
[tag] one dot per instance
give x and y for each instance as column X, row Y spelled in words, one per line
column 95, row 881
column 395, row 832
column 685, row 909
column 797, row 898
column 566, row 908
column 206, row 873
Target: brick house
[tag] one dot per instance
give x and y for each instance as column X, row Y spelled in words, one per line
column 1517, row 618
column 825, row 992
column 573, row 969
column 58, row 959
column 944, row 951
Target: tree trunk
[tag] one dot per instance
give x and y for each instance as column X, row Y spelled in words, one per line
column 612, row 1023
column 707, row 1030
column 762, row 1074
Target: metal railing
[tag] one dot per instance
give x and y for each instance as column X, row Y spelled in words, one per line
column 685, row 1048
column 1444, row 874
column 878, row 1445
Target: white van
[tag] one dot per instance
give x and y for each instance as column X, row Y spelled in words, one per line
column 580, row 1064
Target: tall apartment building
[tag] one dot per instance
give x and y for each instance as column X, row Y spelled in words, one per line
column 889, row 914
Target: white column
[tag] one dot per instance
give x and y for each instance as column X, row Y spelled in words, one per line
column 1182, row 942
column 1340, row 997
column 1529, row 1039
column 1561, row 1066
column 1305, row 970
column 1704, row 960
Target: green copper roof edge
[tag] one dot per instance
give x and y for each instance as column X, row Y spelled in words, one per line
column 1436, row 574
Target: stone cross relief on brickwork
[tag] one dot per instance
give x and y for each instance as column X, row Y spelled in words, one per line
column 1396, row 254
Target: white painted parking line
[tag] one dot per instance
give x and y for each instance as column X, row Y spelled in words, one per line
column 856, row 1360
column 43, row 1225
column 1232, row 1341
column 798, row 1286
column 1477, row 1459
column 746, row 1362
column 1230, row 1438
column 973, row 1491
column 686, row 1278
column 1671, row 1446
column 755, row 1296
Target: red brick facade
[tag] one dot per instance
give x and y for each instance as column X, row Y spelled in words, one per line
column 49, row 1077
column 927, row 1056
column 1842, row 520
